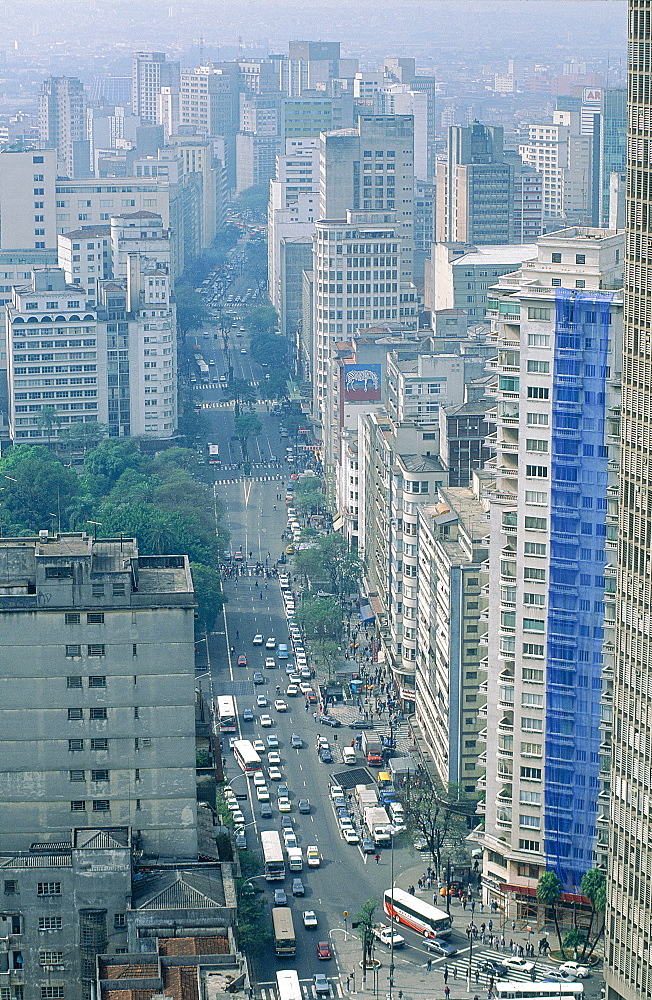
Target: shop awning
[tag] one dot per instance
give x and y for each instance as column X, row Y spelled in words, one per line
column 366, row 614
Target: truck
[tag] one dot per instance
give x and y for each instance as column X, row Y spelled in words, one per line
column 377, row 825
column 372, row 749
column 387, row 935
column 295, row 859
column 366, row 795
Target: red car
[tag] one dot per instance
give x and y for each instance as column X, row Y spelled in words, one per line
column 324, row 950
column 242, row 660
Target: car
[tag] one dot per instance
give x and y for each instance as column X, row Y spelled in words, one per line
column 517, row 964
column 290, row 839
column 266, row 721
column 238, row 818
column 259, row 778
column 345, row 823
column 259, row 746
column 287, row 823
column 284, row 791
column 321, row 985
column 261, row 701
column 421, row 844
column 241, row 840
column 326, row 757
column 324, row 950
column 368, row 846
column 270, row 663
column 243, row 350
column 329, row 720
column 272, row 742
column 284, row 580
column 258, row 677
column 306, row 674
column 303, row 805
column 266, row 811
column 248, row 715
column 360, row 724
column 284, row 805
column 289, row 550
column 297, row 887
column 257, row 640
column 313, row 859
column 280, row 705
column 387, row 935
column 292, row 690
column 280, row 898
column 296, row 742
column 557, row 976
column 575, row 969
column 294, row 678
column 492, row 968
column 242, row 660
column 270, row 643
column 304, row 687
column 439, row 946
column 309, row 919
column 349, row 835
column 275, row 774
column 322, row 743
column 337, row 792
column 232, row 742
column 273, row 757
column 262, row 793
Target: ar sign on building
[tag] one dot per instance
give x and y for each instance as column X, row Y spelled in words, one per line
column 361, row 383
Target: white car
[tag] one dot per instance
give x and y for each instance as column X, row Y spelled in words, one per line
column 262, row 793
column 259, row 779
column 312, row 857
column 261, row 701
column 304, row 688
column 270, row 663
column 275, row 773
column 238, row 818
column 258, row 640
column 349, row 835
column 518, row 964
column 336, row 791
column 292, row 690
column 274, row 757
column 271, row 643
column 266, row 721
column 575, row 969
column 280, row 705
column 309, row 919
column 284, row 805
column 290, row 838
column 259, row 746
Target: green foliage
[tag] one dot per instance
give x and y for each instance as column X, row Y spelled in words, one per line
column 310, row 503
column 254, row 200
column 202, row 759
column 224, row 847
column 208, row 592
column 191, row 311
column 437, row 815
column 272, row 350
column 594, row 887
column 365, row 921
column 574, row 938
column 241, row 391
column 247, row 425
column 320, row 618
column 549, row 890
column 261, row 320
column 35, row 485
column 81, row 437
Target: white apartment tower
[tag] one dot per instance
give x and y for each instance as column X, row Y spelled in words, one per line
column 558, row 327
column 62, row 121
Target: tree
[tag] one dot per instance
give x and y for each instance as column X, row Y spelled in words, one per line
column 247, row 425
column 365, row 923
column 271, row 350
column 254, row 200
column 35, row 484
column 109, row 460
column 191, row 311
column 549, row 890
column 321, row 622
column 48, row 419
column 261, row 320
column 241, row 391
column 312, row 502
column 82, row 437
column 209, row 595
column 594, row 887
column 310, row 564
column 437, row 815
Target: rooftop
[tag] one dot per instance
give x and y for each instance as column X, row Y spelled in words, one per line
column 508, row 253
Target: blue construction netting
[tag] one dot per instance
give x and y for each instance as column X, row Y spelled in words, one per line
column 579, row 470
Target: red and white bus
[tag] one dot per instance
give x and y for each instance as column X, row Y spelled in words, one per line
column 416, row 913
column 226, row 713
column 246, row 756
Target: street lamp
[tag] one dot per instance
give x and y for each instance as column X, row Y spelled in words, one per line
column 391, row 938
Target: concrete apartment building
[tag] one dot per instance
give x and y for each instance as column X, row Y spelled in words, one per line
column 557, row 324
column 98, row 714
column 562, row 154
column 628, row 970
column 452, row 547
column 459, row 275
column 62, row 123
column 150, row 72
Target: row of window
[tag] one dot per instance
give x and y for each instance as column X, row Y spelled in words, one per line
column 99, row 744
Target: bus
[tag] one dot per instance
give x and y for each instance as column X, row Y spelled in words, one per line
column 508, row 990
column 272, row 856
column 213, row 454
column 226, row 713
column 246, row 756
column 416, row 913
column 285, row 943
column 287, row 985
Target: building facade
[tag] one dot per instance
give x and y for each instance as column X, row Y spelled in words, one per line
column 62, row 123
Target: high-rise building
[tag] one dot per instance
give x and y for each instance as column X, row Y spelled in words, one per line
column 150, row 72
column 62, row 123
column 476, row 187
column 557, row 323
column 562, row 152
column 98, row 718
column 628, row 959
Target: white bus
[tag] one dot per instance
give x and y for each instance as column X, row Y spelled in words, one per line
column 226, row 713
column 214, row 454
column 287, row 985
column 246, row 756
column 285, row 940
column 272, row 856
column 507, row 990
column 416, row 913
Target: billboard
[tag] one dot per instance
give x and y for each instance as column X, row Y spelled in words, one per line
column 361, row 383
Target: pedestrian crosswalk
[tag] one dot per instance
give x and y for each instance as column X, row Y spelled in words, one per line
column 267, row 991
column 256, row 479
column 459, row 967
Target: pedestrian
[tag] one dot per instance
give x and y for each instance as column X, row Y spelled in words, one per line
column 513, row 926
column 447, row 991
column 420, row 884
column 348, row 982
column 307, row 707
column 454, row 972
column 477, row 976
column 445, row 974
column 429, row 965
column 377, row 858
column 490, row 925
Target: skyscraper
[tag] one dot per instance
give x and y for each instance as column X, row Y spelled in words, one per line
column 628, row 968
column 150, row 72
column 62, row 122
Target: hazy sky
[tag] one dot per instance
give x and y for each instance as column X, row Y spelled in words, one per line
column 429, row 29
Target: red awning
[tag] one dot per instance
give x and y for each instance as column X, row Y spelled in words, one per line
column 530, row 890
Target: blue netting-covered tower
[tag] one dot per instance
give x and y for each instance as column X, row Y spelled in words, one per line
column 579, row 469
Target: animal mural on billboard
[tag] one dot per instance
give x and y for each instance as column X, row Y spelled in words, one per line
column 362, row 383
